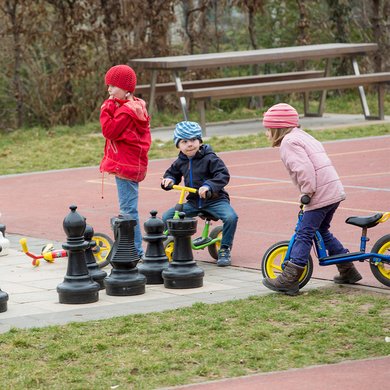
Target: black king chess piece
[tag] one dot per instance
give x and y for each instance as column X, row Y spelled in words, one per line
column 182, row 271
column 124, row 278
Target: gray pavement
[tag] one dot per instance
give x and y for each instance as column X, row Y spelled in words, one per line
column 252, row 126
column 33, row 298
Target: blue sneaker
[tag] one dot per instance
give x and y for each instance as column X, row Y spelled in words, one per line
column 224, row 258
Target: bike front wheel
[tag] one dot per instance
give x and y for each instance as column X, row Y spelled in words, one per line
column 103, row 247
column 214, row 248
column 272, row 264
column 169, row 246
column 381, row 270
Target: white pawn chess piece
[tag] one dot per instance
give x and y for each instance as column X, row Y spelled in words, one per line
column 4, row 245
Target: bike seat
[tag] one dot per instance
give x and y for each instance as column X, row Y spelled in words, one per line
column 365, row 222
column 206, row 215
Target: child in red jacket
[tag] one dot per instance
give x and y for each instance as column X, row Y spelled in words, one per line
column 126, row 127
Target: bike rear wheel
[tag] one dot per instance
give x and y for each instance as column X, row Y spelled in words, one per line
column 272, row 263
column 214, row 248
column 103, row 247
column 381, row 270
column 169, row 246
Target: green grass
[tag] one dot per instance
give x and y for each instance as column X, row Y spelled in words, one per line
column 37, row 149
column 202, row 342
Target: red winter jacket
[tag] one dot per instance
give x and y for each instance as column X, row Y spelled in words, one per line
column 126, row 127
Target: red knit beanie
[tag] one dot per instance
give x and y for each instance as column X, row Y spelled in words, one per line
column 121, row 76
column 281, row 116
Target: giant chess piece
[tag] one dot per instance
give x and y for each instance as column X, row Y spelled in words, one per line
column 3, row 301
column 4, row 242
column 124, row 278
column 155, row 260
column 78, row 286
column 182, row 271
column 96, row 273
column 4, row 245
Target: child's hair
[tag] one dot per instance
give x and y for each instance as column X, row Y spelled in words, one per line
column 187, row 130
column 277, row 135
column 121, row 76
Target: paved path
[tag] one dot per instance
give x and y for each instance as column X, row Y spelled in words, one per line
column 33, row 298
column 367, row 374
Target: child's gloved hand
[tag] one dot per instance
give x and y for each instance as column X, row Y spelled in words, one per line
column 166, row 183
column 203, row 191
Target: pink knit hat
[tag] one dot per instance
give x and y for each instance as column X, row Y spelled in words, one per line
column 281, row 116
column 121, row 76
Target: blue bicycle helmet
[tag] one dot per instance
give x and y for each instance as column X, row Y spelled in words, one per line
column 187, row 130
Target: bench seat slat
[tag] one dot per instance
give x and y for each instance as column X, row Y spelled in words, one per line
column 227, row 81
column 289, row 86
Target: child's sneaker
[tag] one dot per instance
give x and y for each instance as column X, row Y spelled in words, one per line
column 224, row 258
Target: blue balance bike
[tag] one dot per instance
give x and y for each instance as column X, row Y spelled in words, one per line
column 276, row 257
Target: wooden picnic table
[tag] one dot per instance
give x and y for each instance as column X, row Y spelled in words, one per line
column 178, row 65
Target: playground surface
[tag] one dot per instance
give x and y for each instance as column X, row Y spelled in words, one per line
column 34, row 206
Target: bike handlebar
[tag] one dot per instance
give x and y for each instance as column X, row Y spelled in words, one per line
column 185, row 189
column 305, row 199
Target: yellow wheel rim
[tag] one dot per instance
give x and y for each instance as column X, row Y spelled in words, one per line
column 384, row 268
column 169, row 250
column 102, row 248
column 274, row 263
column 218, row 243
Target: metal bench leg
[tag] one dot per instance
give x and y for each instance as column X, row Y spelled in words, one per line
column 152, row 91
column 202, row 114
column 179, row 88
column 363, row 100
column 381, row 102
column 321, row 105
column 306, row 103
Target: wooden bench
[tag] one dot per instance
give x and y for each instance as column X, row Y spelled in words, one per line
column 164, row 88
column 291, row 86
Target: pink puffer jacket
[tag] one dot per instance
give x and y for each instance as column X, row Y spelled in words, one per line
column 311, row 169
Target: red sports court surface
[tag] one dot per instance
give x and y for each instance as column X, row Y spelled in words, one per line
column 35, row 204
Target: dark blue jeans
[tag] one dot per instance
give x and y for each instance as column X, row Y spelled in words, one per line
column 221, row 210
column 313, row 220
column 128, row 204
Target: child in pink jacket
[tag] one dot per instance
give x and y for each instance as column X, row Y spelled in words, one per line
column 314, row 175
column 126, row 127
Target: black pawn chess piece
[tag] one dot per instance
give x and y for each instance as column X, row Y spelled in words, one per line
column 155, row 260
column 96, row 273
column 124, row 278
column 182, row 271
column 78, row 286
column 3, row 301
